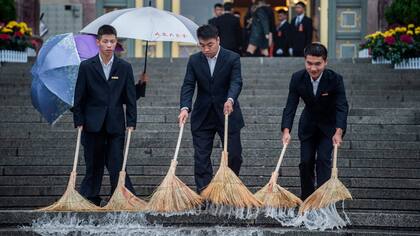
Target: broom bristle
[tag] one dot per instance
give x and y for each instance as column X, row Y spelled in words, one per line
column 71, row 200
column 124, row 200
column 276, row 196
column 329, row 193
column 173, row 195
column 227, row 189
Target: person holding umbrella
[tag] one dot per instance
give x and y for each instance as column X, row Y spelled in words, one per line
column 217, row 73
column 104, row 84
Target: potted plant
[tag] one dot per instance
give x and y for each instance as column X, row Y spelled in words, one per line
column 15, row 39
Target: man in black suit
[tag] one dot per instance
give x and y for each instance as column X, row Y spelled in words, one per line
column 282, row 35
column 302, row 30
column 104, row 84
column 217, row 11
column 229, row 28
column 323, row 120
column 217, row 74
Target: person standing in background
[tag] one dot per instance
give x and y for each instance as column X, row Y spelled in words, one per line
column 302, row 31
column 229, row 29
column 282, row 35
column 217, row 11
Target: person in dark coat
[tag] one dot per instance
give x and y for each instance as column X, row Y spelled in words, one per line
column 260, row 31
column 216, row 72
column 302, row 30
column 217, row 11
column 104, row 84
column 282, row 35
column 229, row 29
column 323, row 121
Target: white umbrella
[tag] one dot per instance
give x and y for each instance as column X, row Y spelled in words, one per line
column 147, row 23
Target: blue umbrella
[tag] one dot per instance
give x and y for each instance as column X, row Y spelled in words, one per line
column 55, row 73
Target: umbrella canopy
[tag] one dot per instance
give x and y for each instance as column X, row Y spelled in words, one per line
column 55, row 71
column 147, row 23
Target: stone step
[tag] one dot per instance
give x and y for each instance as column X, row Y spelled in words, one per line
column 363, row 222
column 250, row 169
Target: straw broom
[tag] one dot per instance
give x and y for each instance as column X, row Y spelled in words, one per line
column 273, row 195
column 226, row 189
column 122, row 199
column 71, row 199
column 329, row 193
column 172, row 195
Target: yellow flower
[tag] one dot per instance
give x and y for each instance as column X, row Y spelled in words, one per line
column 403, row 29
column 11, row 24
column 410, row 32
column 411, row 26
column 6, row 30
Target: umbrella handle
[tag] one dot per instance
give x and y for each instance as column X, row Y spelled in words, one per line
column 334, row 169
column 76, row 153
column 145, row 57
column 127, row 145
column 178, row 144
column 283, row 151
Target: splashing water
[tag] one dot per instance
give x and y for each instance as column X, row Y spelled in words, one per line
column 129, row 223
column 231, row 211
column 324, row 218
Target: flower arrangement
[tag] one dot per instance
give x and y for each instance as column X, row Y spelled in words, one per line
column 396, row 44
column 16, row 36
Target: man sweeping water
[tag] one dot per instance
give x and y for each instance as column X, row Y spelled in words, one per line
column 323, row 121
column 105, row 82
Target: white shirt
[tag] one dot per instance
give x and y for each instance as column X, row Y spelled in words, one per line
column 106, row 67
column 299, row 19
column 282, row 23
column 212, row 62
column 315, row 83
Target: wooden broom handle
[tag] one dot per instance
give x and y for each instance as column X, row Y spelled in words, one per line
column 334, row 171
column 76, row 153
column 178, row 144
column 281, row 158
column 127, row 145
column 225, row 143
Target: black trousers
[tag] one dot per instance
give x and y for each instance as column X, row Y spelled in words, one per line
column 203, row 145
column 102, row 149
column 315, row 158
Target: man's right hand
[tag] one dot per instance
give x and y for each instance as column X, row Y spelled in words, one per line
column 286, row 136
column 183, row 117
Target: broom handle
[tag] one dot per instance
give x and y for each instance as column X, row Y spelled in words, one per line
column 281, row 158
column 334, row 172
column 225, row 143
column 127, row 145
column 178, row 144
column 76, row 154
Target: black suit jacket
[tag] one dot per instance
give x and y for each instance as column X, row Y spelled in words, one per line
column 282, row 38
column 212, row 21
column 98, row 102
column 230, row 32
column 213, row 91
column 302, row 33
column 326, row 111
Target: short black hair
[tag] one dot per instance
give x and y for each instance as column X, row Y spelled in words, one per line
column 106, row 29
column 316, row 50
column 207, row 32
column 302, row 4
column 228, row 6
column 218, row 5
column 281, row 11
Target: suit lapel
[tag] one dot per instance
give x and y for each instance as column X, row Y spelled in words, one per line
column 308, row 85
column 205, row 65
column 114, row 67
column 219, row 62
column 323, row 84
column 98, row 67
